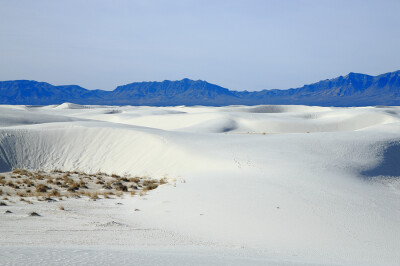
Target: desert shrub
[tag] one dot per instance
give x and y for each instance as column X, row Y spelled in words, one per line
column 107, row 186
column 41, row 188
column 73, row 187
column 147, row 183
column 134, row 179
column 21, row 194
column 56, row 171
column 39, row 177
column 151, row 186
column 94, row 196
column 10, row 184
column 34, row 214
column 120, row 187
column 20, row 171
column 55, row 193
column 66, row 176
column 28, row 182
column 26, row 201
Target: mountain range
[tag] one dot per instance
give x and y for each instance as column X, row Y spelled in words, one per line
column 351, row 90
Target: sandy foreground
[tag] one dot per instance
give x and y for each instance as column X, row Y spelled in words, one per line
column 248, row 185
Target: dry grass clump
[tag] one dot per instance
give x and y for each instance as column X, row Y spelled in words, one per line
column 41, row 188
column 20, row 171
column 54, row 193
column 134, row 180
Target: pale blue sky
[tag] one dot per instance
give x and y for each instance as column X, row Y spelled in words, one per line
column 240, row 45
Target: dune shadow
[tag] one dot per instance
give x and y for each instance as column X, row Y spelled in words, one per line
column 389, row 165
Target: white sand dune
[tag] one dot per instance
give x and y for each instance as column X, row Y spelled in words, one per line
column 281, row 184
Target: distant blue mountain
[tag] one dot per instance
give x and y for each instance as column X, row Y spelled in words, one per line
column 350, row 90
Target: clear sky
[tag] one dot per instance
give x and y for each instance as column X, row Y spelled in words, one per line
column 239, row 45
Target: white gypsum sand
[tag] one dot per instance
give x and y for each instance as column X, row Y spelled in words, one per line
column 252, row 185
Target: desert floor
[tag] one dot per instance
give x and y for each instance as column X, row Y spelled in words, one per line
column 247, row 185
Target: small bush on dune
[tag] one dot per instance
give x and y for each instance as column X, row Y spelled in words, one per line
column 73, row 187
column 94, row 196
column 149, row 182
column 20, row 171
column 10, row 184
column 134, row 179
column 21, row 194
column 41, row 188
column 28, row 182
column 106, row 195
column 55, row 193
column 152, row 186
column 55, row 171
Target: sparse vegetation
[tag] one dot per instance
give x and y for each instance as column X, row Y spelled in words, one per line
column 55, row 185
